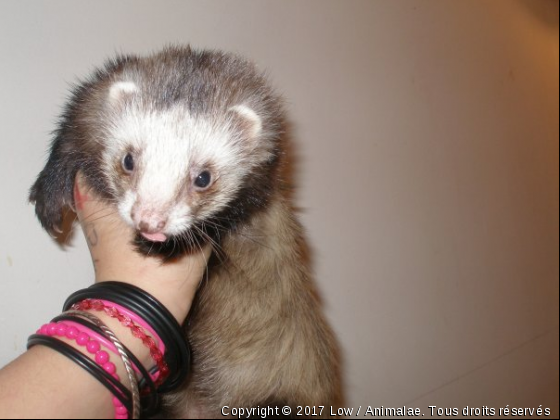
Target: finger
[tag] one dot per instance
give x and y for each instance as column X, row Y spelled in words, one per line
column 86, row 201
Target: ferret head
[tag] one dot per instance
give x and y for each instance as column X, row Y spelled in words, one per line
column 188, row 145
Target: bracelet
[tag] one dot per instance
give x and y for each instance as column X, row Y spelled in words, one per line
column 114, row 312
column 172, row 333
column 148, row 321
column 133, row 319
column 155, row 314
column 124, row 357
column 148, row 393
column 121, row 399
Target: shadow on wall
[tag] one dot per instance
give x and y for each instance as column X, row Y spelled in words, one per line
column 546, row 11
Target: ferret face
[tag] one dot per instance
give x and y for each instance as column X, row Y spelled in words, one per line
column 171, row 171
column 186, row 143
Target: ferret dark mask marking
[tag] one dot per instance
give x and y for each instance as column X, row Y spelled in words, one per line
column 142, row 130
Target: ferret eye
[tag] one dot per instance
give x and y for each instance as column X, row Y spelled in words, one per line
column 203, row 180
column 128, row 163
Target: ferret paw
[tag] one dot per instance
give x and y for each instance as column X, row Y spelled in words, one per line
column 48, row 210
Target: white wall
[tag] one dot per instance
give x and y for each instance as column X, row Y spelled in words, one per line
column 427, row 133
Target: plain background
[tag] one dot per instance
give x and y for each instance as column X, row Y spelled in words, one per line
column 426, row 135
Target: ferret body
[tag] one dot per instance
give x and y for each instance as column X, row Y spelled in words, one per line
column 189, row 146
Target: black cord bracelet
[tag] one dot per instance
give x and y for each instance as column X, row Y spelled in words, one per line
column 123, row 394
column 148, row 309
column 155, row 314
column 150, row 399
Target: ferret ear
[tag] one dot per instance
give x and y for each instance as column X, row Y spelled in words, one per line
column 120, row 91
column 246, row 120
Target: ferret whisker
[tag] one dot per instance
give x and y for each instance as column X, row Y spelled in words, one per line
column 104, row 211
column 215, row 244
column 252, row 239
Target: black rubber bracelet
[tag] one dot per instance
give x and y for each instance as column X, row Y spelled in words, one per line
column 123, row 394
column 178, row 344
column 155, row 314
column 148, row 392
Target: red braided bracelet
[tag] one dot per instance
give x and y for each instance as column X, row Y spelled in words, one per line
column 136, row 331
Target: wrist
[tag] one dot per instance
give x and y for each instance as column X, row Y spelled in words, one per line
column 174, row 284
column 125, row 338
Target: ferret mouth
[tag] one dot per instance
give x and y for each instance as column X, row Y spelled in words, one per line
column 154, row 237
column 169, row 246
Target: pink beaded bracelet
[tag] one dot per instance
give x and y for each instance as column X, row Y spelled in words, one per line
column 108, row 345
column 101, row 357
column 129, row 320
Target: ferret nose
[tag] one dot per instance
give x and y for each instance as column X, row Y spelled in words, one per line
column 151, row 226
column 148, row 220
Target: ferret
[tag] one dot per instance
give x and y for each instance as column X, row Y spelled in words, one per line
column 190, row 146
